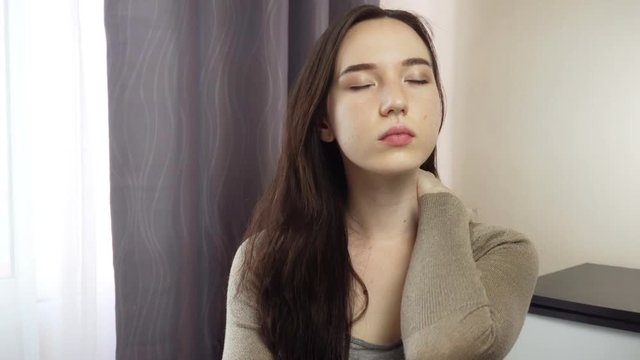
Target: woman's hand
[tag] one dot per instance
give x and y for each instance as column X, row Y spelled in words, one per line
column 429, row 184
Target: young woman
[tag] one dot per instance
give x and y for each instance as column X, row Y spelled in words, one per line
column 357, row 250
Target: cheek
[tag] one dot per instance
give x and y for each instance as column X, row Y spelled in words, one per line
column 433, row 112
column 349, row 120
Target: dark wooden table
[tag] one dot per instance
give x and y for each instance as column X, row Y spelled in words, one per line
column 591, row 293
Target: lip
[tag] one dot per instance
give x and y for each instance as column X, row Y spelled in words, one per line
column 397, row 130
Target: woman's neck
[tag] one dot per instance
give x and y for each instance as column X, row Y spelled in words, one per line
column 382, row 209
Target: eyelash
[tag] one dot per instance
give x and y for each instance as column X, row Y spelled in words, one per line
column 362, row 87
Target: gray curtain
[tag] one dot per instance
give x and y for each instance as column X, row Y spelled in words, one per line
column 197, row 96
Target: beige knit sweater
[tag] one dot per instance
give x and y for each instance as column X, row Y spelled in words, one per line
column 466, row 294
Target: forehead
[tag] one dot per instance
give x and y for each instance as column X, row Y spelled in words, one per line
column 383, row 41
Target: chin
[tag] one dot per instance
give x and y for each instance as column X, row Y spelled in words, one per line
column 393, row 167
column 389, row 171
column 391, row 164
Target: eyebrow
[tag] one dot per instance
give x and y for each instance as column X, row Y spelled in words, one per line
column 369, row 66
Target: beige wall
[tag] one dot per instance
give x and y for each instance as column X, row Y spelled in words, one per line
column 543, row 129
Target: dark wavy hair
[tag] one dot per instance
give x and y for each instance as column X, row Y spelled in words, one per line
column 296, row 261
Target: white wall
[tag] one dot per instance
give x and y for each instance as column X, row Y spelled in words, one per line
column 544, row 337
column 543, row 128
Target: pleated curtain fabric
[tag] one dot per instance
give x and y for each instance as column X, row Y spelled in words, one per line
column 197, row 98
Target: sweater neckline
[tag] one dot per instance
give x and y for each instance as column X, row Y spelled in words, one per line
column 373, row 346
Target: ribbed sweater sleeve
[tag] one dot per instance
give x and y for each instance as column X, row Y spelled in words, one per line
column 242, row 339
column 468, row 286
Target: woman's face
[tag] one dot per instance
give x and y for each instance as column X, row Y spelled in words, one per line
column 383, row 79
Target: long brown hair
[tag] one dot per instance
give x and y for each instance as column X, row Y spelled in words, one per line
column 296, row 262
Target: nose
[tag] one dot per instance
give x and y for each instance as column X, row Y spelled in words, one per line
column 393, row 101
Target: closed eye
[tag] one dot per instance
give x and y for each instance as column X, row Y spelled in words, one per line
column 360, row 87
column 417, row 81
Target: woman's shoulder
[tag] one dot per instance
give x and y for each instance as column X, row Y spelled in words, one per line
column 236, row 267
column 241, row 252
column 241, row 300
